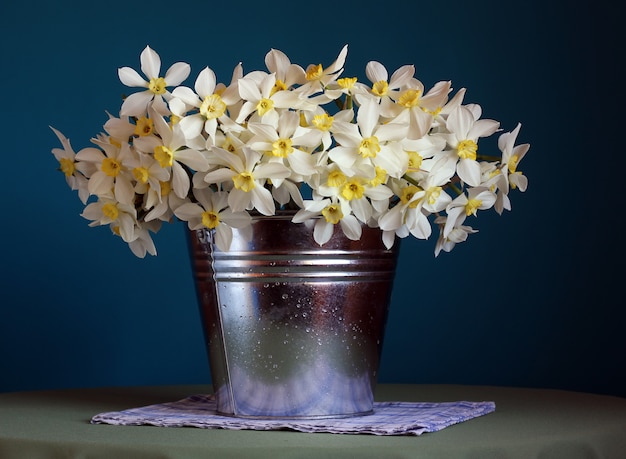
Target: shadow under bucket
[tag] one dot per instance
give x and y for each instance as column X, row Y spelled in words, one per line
column 293, row 330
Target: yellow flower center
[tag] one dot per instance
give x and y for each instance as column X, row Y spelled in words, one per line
column 472, row 206
column 67, row 166
column 111, row 167
column 467, row 149
column 353, row 190
column 369, row 147
column 115, row 142
column 282, row 148
column 323, row 122
column 408, row 193
column 380, row 178
column 157, row 85
column 278, row 86
column 141, row 174
column 434, row 112
column 164, row 156
column 110, row 211
column 264, row 106
column 143, row 127
column 212, row 107
column 332, row 214
column 244, row 181
column 174, row 119
column 228, row 145
column 415, row 161
column 432, row 194
column 410, row 98
column 210, row 219
column 336, row 179
column 513, row 163
column 380, row 88
column 346, row 83
column 313, row 72
column 166, row 188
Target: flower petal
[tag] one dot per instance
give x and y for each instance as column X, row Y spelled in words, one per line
column 375, row 71
column 136, row 104
column 150, row 63
column 130, row 77
column 177, row 73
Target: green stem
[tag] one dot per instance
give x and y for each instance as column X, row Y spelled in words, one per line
column 348, row 103
column 455, row 188
column 488, row 158
column 411, row 180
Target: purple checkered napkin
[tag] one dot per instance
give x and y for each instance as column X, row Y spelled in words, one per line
column 388, row 418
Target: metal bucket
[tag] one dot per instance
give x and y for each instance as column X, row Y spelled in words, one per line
column 293, row 330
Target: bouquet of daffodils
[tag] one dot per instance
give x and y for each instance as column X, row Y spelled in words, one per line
column 387, row 153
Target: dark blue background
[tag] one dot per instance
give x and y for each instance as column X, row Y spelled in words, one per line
column 533, row 299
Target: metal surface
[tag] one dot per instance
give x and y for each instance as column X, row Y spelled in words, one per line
column 293, row 330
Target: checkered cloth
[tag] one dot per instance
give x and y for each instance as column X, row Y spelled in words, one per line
column 388, row 418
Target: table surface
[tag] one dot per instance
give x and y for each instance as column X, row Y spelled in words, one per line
column 527, row 423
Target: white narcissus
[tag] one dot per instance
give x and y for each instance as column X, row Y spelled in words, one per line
column 112, row 177
column 465, row 205
column 76, row 172
column 248, row 176
column 287, row 143
column 212, row 212
column 211, row 105
column 156, row 86
column 327, row 213
column 169, row 149
column 287, row 74
column 387, row 153
column 465, row 130
column 368, row 143
column 121, row 217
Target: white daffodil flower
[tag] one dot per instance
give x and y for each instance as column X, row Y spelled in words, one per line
column 369, row 143
column 112, row 177
column 142, row 243
column 156, row 86
column 121, row 217
column 465, row 130
column 211, row 105
column 169, row 149
column 465, row 205
column 457, row 235
column 327, row 214
column 287, row 74
column 248, row 175
column 287, row 143
column 511, row 156
column 417, row 108
column 318, row 77
column 148, row 176
column 262, row 102
column 76, row 172
column 212, row 212
column 383, row 88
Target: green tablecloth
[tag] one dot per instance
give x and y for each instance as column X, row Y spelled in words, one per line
column 527, row 423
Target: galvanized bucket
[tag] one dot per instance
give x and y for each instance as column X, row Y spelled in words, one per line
column 293, row 330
